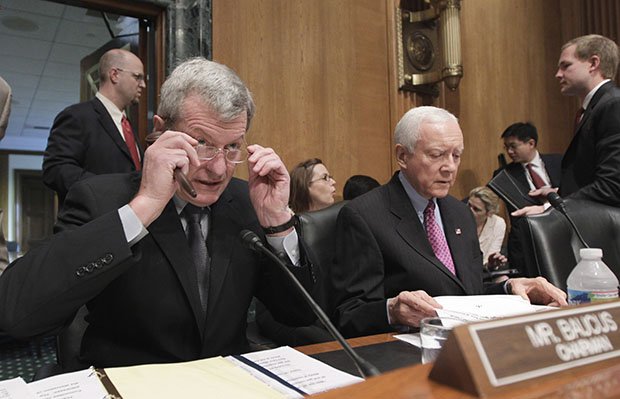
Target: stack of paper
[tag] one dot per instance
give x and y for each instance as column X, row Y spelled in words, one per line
column 277, row 373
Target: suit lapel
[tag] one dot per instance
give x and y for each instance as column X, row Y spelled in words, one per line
column 412, row 231
column 568, row 155
column 168, row 233
column 110, row 128
column 454, row 235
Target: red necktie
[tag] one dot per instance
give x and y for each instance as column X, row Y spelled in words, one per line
column 436, row 237
column 578, row 119
column 536, row 179
column 131, row 143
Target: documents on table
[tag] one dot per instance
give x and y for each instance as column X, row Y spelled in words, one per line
column 80, row 384
column 293, row 373
column 214, row 377
column 270, row 374
column 469, row 308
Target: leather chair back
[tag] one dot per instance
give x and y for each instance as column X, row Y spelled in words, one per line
column 551, row 248
column 318, row 229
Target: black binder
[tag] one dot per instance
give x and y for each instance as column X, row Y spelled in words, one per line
column 508, row 189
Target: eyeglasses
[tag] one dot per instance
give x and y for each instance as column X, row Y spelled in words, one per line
column 137, row 76
column 512, row 146
column 233, row 153
column 326, row 178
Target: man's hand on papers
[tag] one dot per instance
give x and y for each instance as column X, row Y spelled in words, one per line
column 409, row 307
column 538, row 290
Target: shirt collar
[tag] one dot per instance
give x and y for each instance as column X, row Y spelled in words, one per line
column 180, row 203
column 536, row 161
column 586, row 101
column 115, row 113
column 418, row 202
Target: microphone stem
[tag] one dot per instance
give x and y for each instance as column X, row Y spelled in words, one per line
column 365, row 369
column 575, row 229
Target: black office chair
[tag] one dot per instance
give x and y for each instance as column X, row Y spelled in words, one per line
column 551, row 248
column 318, row 230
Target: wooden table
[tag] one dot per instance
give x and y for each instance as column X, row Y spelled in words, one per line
column 412, row 382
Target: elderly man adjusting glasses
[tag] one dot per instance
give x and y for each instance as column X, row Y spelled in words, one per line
column 163, row 273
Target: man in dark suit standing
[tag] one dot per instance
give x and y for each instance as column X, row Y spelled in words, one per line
column 407, row 241
column 95, row 137
column 163, row 273
column 591, row 164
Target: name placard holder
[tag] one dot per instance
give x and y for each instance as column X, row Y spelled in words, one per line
column 497, row 356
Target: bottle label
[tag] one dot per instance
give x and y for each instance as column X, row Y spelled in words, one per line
column 576, row 297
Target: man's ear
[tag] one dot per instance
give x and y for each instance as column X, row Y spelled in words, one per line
column 113, row 75
column 158, row 124
column 595, row 63
column 401, row 154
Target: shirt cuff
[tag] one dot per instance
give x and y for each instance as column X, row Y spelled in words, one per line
column 507, row 289
column 402, row 329
column 132, row 226
column 286, row 245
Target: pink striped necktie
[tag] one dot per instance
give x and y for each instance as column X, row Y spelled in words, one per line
column 437, row 238
column 131, row 143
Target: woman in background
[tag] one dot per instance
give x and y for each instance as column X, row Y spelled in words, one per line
column 491, row 228
column 312, row 187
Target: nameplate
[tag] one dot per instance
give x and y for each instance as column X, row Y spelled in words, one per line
column 498, row 355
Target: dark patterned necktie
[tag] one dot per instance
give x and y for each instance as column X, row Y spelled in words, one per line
column 198, row 248
column 437, row 238
column 131, row 143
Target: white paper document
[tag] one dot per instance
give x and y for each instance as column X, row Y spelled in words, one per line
column 466, row 309
column 294, row 369
column 472, row 308
column 15, row 388
column 78, row 385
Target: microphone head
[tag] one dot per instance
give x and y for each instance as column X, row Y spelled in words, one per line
column 250, row 239
column 555, row 200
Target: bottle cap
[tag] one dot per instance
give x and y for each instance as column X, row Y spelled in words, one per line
column 591, row 253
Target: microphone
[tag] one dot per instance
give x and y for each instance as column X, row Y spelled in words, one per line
column 558, row 203
column 253, row 242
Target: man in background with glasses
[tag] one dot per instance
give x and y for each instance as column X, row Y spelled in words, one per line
column 162, row 269
column 530, row 170
column 95, row 137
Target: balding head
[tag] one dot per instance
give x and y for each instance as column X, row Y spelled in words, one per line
column 122, row 77
column 114, row 58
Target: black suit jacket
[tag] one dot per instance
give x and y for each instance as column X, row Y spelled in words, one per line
column 382, row 249
column 591, row 164
column 143, row 300
column 83, row 142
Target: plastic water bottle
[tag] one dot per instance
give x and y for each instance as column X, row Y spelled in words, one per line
column 591, row 280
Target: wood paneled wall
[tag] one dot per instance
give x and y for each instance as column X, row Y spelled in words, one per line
column 318, row 70
column 323, row 74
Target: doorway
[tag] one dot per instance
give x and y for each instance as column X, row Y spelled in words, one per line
column 35, row 208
